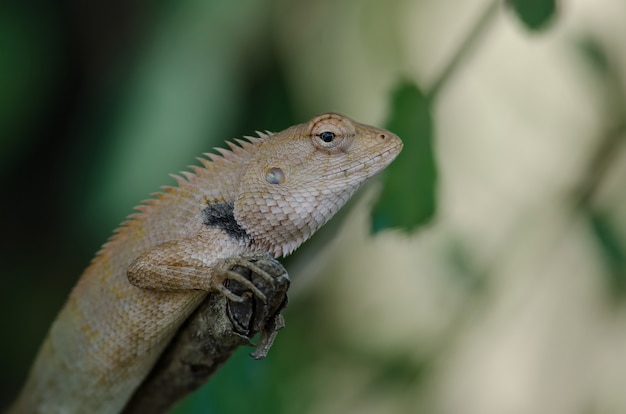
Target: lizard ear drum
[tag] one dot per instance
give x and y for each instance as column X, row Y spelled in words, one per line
column 275, row 175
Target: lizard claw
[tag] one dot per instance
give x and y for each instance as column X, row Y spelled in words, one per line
column 234, row 276
column 228, row 270
column 230, row 295
column 250, row 265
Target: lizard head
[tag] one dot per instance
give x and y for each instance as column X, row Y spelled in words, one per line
column 297, row 179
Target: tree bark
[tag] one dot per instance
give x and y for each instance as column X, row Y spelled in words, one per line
column 212, row 333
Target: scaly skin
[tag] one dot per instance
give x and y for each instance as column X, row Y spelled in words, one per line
column 267, row 194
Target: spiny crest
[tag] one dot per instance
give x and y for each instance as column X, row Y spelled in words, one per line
column 238, row 151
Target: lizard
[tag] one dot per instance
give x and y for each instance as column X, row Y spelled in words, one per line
column 265, row 194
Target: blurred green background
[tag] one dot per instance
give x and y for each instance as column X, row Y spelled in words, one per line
column 484, row 273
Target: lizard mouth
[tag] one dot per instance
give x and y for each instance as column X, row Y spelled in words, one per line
column 384, row 158
column 373, row 165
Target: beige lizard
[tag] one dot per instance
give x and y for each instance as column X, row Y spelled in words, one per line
column 267, row 194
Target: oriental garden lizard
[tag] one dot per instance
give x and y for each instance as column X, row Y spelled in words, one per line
column 264, row 195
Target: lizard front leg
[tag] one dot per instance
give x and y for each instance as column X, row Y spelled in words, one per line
column 210, row 336
column 173, row 267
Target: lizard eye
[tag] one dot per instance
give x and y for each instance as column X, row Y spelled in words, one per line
column 326, row 136
column 328, row 139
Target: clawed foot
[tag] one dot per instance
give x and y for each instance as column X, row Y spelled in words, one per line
column 225, row 272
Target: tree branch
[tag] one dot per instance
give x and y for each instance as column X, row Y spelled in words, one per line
column 211, row 335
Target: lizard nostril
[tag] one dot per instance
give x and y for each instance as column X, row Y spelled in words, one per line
column 382, row 136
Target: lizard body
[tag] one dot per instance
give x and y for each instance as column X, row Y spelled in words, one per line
column 267, row 194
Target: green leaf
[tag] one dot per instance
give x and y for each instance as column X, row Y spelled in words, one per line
column 534, row 14
column 408, row 199
column 595, row 54
column 613, row 252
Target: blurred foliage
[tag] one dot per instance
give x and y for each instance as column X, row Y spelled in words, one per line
column 613, row 250
column 534, row 14
column 605, row 233
column 409, row 198
column 30, row 65
column 593, row 52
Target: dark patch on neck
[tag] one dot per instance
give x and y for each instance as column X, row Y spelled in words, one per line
column 222, row 215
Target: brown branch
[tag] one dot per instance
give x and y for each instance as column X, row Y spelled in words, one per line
column 212, row 333
column 602, row 159
column 484, row 22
